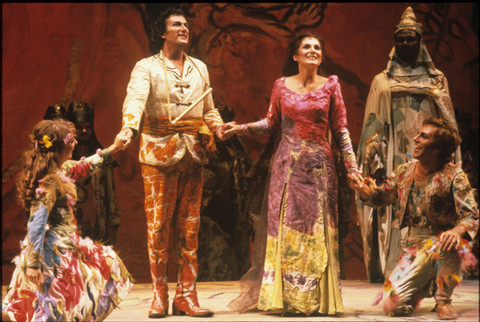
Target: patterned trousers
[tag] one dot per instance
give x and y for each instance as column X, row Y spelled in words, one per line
column 173, row 193
column 423, row 268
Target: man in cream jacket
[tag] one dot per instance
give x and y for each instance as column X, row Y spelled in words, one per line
column 173, row 91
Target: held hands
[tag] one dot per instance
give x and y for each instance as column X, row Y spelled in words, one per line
column 451, row 238
column 122, row 141
column 128, row 132
column 364, row 186
column 355, row 181
column 227, row 130
column 221, row 134
column 34, row 275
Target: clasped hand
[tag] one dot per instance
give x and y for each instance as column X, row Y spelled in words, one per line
column 365, row 186
column 355, row 181
column 227, row 130
column 122, row 141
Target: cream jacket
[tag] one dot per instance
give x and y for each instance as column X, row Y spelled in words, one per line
column 147, row 94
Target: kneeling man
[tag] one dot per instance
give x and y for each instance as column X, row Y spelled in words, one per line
column 434, row 199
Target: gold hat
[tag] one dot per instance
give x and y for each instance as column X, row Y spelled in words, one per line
column 409, row 22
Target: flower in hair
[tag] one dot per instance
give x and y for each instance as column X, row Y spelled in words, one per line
column 67, row 138
column 47, row 141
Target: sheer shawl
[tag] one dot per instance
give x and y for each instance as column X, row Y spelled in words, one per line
column 251, row 282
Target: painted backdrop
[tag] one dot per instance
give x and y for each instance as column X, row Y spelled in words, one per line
column 58, row 53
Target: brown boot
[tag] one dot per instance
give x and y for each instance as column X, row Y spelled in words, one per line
column 186, row 301
column 159, row 308
column 444, row 312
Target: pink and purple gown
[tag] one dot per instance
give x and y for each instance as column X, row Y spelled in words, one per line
column 300, row 272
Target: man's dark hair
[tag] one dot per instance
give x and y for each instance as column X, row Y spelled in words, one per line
column 160, row 25
column 446, row 139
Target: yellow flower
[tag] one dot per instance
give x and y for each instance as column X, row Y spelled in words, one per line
column 47, row 141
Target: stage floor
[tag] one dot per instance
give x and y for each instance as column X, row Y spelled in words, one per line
column 357, row 299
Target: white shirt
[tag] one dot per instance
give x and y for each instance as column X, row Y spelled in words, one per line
column 146, row 93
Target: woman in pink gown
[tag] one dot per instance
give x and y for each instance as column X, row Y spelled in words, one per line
column 295, row 267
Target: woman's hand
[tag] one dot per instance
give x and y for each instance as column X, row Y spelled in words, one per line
column 34, row 275
column 364, row 186
column 122, row 141
column 221, row 134
column 355, row 181
column 231, row 128
column 451, row 238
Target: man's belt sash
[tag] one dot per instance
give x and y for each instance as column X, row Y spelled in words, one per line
column 160, row 126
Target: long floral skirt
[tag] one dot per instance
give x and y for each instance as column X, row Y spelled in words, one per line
column 301, row 272
column 82, row 281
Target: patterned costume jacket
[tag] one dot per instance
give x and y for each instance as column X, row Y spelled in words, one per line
column 146, row 93
column 447, row 202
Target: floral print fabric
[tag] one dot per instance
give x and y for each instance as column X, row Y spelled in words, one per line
column 82, row 280
column 303, row 192
column 424, row 270
column 447, row 200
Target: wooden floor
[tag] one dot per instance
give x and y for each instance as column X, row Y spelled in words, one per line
column 357, row 299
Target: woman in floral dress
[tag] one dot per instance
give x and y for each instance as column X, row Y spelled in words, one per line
column 60, row 276
column 300, row 272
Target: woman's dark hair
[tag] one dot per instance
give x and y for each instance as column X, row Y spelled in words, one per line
column 160, row 25
column 48, row 140
column 290, row 67
column 446, row 138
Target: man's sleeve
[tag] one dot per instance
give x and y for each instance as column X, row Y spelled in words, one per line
column 137, row 94
column 387, row 193
column 465, row 205
column 211, row 116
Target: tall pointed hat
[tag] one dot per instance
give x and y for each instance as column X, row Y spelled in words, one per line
column 409, row 22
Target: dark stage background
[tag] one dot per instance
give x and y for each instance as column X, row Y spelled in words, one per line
column 96, row 46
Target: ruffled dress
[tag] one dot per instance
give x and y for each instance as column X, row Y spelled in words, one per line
column 82, row 280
